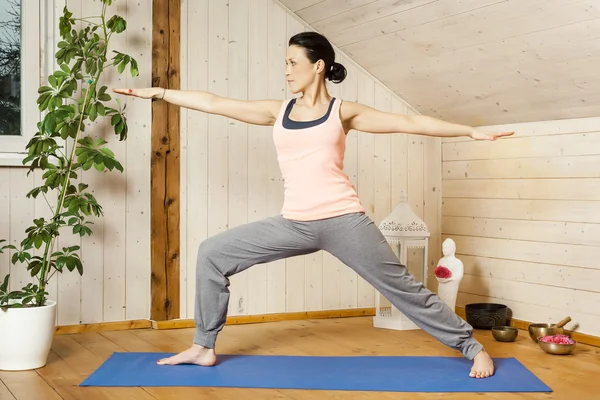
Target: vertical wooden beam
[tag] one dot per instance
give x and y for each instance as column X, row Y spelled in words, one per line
column 173, row 165
column 165, row 169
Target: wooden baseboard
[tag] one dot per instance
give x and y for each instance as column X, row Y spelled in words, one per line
column 524, row 325
column 232, row 320
column 254, row 319
column 104, row 326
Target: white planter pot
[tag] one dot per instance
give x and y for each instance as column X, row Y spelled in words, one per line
column 448, row 291
column 26, row 336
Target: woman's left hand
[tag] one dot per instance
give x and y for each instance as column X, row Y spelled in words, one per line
column 479, row 134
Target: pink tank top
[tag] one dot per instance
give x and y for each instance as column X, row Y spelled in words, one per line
column 311, row 159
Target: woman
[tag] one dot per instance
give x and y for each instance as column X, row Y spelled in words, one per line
column 321, row 209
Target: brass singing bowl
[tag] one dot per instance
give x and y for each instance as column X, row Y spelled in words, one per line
column 556, row 348
column 538, row 330
column 547, row 329
column 505, row 333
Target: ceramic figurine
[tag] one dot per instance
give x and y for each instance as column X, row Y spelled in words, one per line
column 449, row 273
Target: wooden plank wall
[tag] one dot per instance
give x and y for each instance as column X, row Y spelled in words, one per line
column 229, row 174
column 524, row 213
column 229, row 171
column 116, row 281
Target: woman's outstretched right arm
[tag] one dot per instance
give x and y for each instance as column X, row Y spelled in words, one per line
column 256, row 112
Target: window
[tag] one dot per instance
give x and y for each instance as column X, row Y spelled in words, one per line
column 19, row 76
column 10, row 68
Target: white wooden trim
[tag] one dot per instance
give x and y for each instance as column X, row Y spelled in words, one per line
column 12, row 159
column 30, row 76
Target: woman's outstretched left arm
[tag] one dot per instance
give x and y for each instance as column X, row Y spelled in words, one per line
column 367, row 119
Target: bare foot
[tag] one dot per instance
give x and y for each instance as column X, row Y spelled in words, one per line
column 194, row 355
column 483, row 366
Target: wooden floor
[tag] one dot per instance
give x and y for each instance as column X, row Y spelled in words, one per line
column 74, row 357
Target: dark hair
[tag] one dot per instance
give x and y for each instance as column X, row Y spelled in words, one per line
column 317, row 47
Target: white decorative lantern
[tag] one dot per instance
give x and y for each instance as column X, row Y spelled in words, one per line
column 408, row 237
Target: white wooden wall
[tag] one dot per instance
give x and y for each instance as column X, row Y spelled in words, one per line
column 525, row 214
column 116, row 281
column 229, row 171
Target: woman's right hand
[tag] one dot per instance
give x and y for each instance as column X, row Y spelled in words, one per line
column 144, row 93
column 256, row 112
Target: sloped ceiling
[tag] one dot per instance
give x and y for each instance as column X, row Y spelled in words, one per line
column 479, row 62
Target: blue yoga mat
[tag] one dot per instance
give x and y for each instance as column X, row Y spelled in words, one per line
column 360, row 373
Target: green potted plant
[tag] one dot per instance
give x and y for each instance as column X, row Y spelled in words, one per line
column 72, row 98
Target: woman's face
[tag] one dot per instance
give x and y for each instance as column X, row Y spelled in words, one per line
column 300, row 72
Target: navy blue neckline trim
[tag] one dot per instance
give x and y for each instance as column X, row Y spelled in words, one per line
column 291, row 124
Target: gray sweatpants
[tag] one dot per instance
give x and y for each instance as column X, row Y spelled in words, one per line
column 352, row 238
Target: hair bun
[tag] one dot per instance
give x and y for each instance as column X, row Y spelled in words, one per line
column 337, row 73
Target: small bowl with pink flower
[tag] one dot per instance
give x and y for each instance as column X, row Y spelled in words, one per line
column 557, row 344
